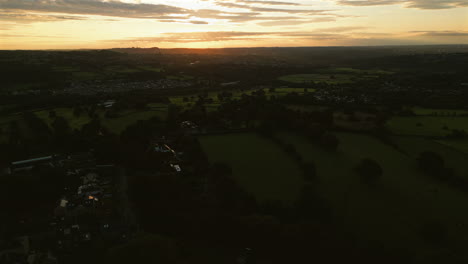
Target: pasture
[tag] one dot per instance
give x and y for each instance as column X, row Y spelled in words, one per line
column 334, row 76
column 317, row 78
column 427, row 125
column 259, row 166
column 438, row 112
column 404, row 201
column 115, row 124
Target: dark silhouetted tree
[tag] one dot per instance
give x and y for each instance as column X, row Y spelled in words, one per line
column 369, row 171
column 431, row 163
column 329, row 141
column 309, row 170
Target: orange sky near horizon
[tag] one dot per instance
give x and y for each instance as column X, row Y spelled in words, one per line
column 78, row 24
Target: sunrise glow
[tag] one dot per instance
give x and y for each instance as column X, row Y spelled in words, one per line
column 60, row 24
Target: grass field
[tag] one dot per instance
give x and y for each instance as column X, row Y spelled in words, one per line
column 115, row 125
column 438, row 112
column 307, row 108
column 334, row 76
column 119, row 70
column 426, row 125
column 356, row 71
column 453, row 157
column 389, row 215
column 236, row 94
column 317, row 78
column 258, row 165
column 402, row 202
column 458, row 144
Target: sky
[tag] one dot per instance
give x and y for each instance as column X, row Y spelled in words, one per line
column 98, row 24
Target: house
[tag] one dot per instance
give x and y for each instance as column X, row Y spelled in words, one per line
column 163, row 148
column 189, row 127
column 230, row 83
column 30, row 163
column 63, row 203
column 176, row 167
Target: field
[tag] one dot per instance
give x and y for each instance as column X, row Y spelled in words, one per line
column 390, row 215
column 128, row 117
column 334, row 76
column 458, row 144
column 438, row 112
column 236, row 94
column 258, row 165
column 115, row 124
column 317, row 78
column 427, row 125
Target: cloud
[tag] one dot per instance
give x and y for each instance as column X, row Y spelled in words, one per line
column 267, row 9
column 419, row 4
column 187, row 37
column 198, row 22
column 215, row 36
column 239, row 17
column 53, row 10
column 93, row 7
column 348, row 35
column 296, row 22
column 25, row 17
column 269, row 2
column 442, row 33
column 30, row 36
column 340, row 29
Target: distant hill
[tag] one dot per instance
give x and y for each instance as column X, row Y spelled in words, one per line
column 154, row 50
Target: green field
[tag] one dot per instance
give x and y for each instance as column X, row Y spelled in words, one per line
column 426, row 125
column 438, row 112
column 307, row 108
column 356, row 71
column 458, row 144
column 90, row 74
column 402, row 202
column 258, row 165
column 334, row 76
column 317, row 78
column 236, row 94
column 115, row 125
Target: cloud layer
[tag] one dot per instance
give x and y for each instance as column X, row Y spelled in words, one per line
column 420, row 4
column 251, row 20
column 231, row 11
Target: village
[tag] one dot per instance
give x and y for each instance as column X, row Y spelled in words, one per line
column 94, row 207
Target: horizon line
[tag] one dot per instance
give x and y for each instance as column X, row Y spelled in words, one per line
column 264, row 47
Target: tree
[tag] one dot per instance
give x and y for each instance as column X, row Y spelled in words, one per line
column 329, row 141
column 52, row 114
column 315, row 131
column 222, row 169
column 309, row 170
column 369, row 171
column 145, row 248
column 77, row 111
column 61, row 127
column 433, row 232
column 431, row 163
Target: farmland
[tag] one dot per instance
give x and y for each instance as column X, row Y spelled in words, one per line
column 427, row 125
column 317, row 78
column 404, row 201
column 334, row 76
column 115, row 124
column 263, row 169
